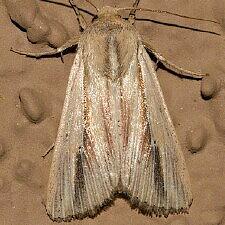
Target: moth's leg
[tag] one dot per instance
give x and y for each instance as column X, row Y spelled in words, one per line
column 170, row 65
column 70, row 43
column 81, row 21
column 131, row 17
column 49, row 150
column 156, row 65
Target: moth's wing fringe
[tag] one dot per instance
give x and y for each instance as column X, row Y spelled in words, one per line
column 154, row 210
column 89, row 213
column 141, row 207
column 154, row 174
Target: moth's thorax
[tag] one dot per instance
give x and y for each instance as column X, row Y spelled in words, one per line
column 110, row 45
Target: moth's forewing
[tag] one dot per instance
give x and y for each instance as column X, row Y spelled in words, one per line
column 158, row 179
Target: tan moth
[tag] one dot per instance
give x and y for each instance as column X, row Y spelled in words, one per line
column 115, row 133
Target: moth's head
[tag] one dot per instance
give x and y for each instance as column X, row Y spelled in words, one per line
column 107, row 11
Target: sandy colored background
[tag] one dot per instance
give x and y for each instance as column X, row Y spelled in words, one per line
column 32, row 93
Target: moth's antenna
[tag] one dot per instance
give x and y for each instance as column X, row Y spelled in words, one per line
column 69, row 6
column 92, row 5
column 167, row 12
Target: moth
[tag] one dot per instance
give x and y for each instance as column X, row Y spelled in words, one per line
column 115, row 134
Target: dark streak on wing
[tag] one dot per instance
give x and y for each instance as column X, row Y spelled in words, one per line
column 158, row 173
column 79, row 181
column 79, row 171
